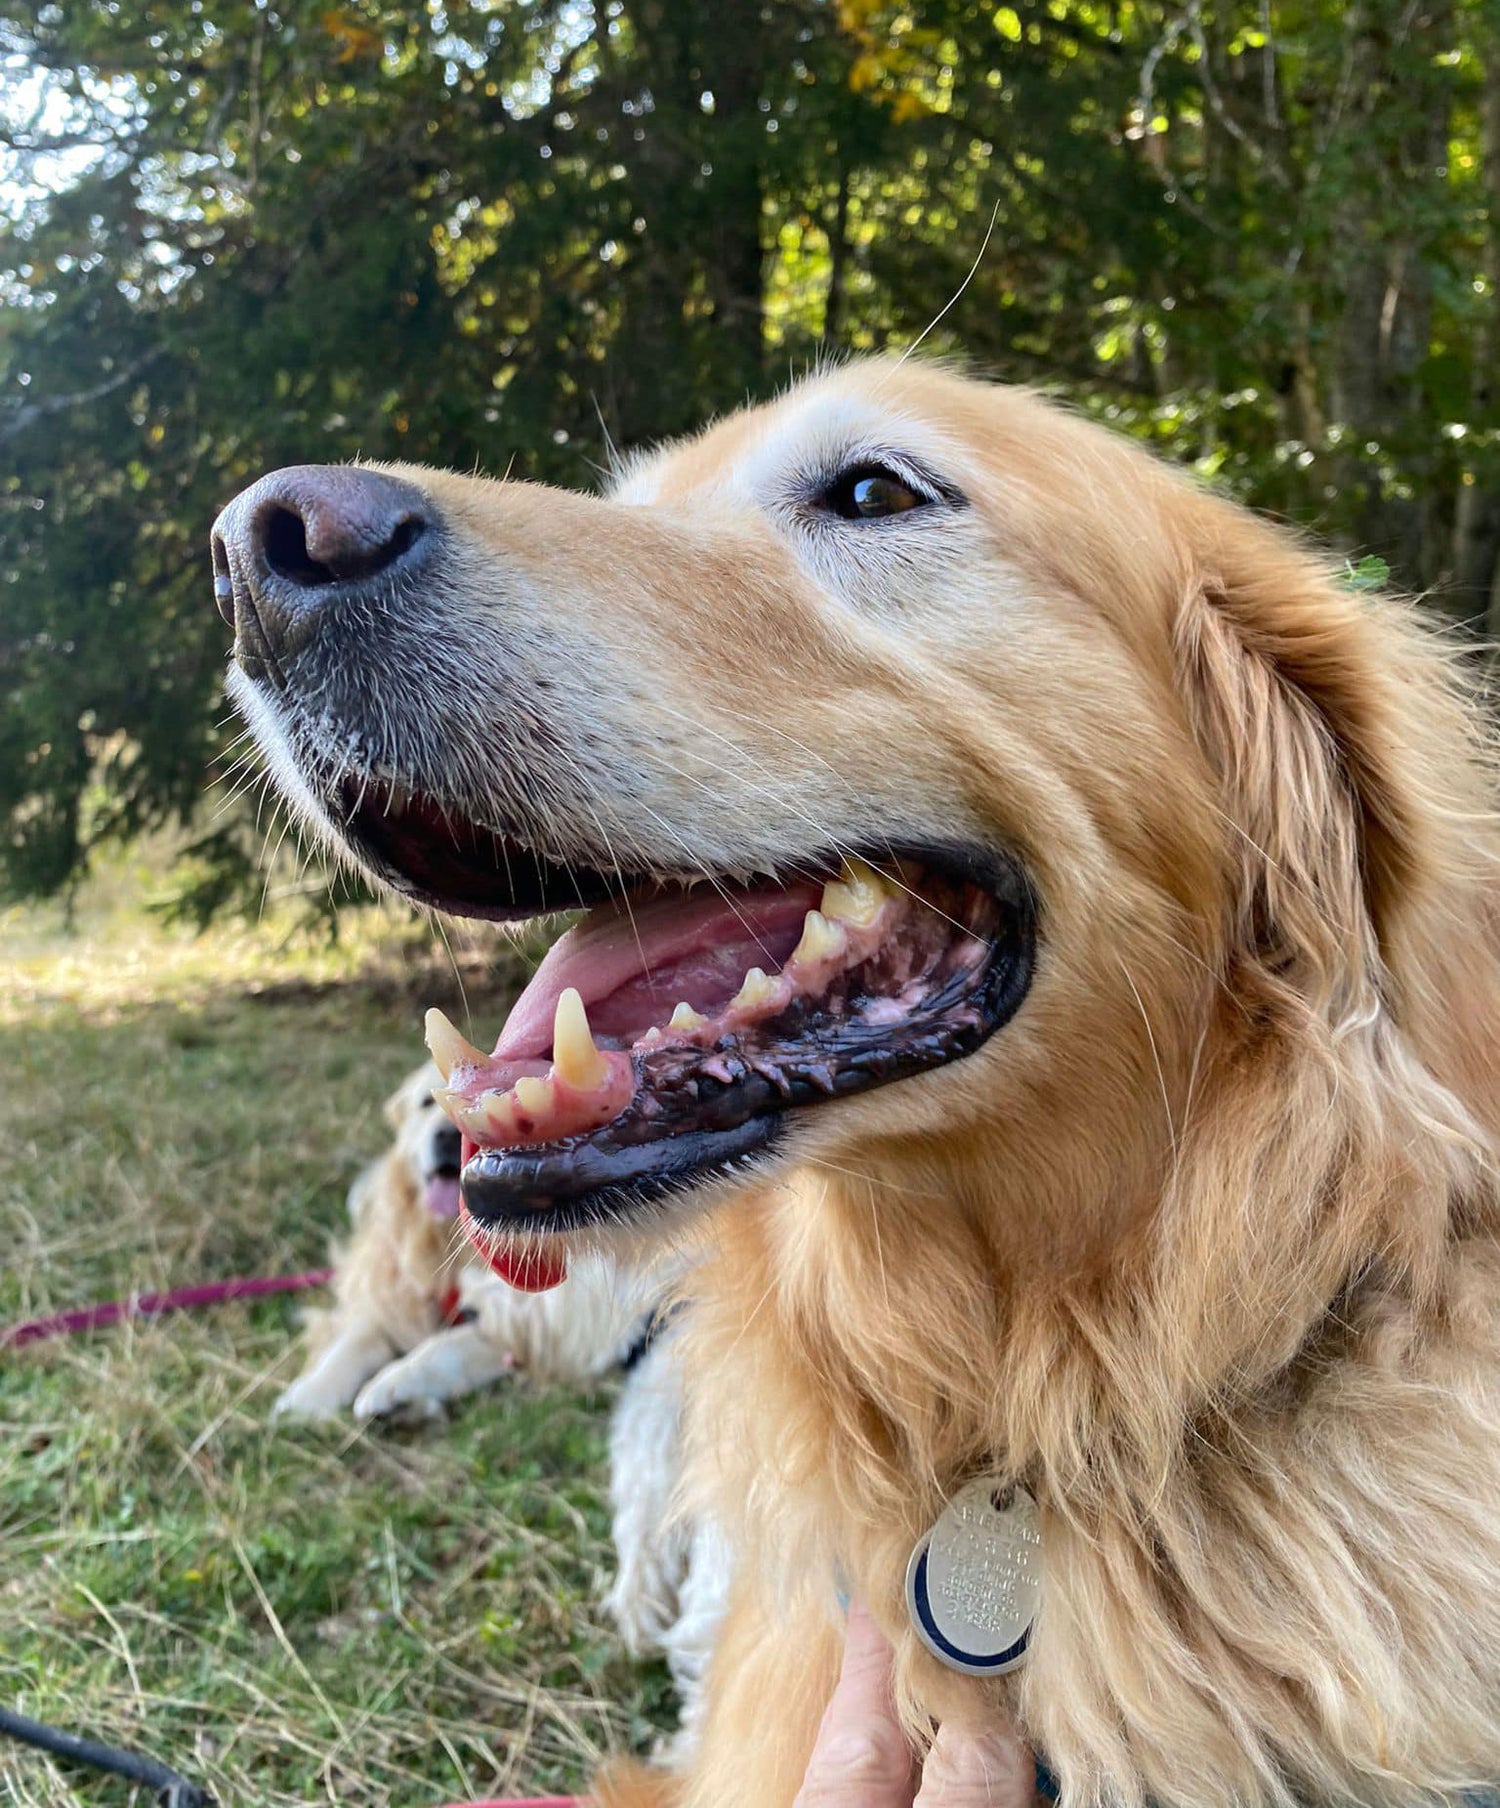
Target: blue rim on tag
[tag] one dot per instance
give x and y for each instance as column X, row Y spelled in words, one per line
column 942, row 1647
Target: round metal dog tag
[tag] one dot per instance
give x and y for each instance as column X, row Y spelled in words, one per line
column 974, row 1581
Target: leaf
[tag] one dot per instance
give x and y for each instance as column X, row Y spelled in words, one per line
column 351, row 37
column 1370, row 573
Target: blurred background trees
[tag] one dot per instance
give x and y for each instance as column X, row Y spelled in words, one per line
column 237, row 234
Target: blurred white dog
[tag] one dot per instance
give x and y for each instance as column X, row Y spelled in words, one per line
column 672, row 1582
column 418, row 1320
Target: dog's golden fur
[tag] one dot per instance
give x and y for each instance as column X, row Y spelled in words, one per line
column 393, row 1272
column 1204, row 1244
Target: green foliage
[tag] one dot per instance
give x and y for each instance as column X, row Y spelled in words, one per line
column 502, row 232
column 1371, row 573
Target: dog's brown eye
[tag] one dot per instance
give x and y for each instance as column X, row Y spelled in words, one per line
column 869, row 493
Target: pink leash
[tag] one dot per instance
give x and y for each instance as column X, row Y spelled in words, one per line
column 152, row 1305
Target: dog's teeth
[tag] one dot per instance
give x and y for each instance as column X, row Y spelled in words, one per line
column 686, row 1018
column 532, row 1095
column 468, row 1114
column 856, row 895
column 447, row 1047
column 575, row 1059
column 755, row 993
column 492, row 1116
column 821, row 940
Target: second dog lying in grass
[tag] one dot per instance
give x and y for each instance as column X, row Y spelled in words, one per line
column 418, row 1320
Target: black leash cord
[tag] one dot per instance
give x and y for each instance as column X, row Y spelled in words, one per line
column 172, row 1789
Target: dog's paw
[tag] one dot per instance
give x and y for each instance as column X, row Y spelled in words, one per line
column 306, row 1401
column 396, row 1390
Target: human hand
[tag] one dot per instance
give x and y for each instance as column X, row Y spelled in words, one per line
column 862, row 1759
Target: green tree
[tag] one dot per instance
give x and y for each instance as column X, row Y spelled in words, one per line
column 500, row 232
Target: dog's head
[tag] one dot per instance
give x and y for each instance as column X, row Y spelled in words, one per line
column 425, row 1142
column 961, row 801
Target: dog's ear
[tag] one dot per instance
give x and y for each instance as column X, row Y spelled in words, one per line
column 1361, row 960
column 1322, row 711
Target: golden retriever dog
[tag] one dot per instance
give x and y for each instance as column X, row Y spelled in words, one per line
column 1041, row 949
column 397, row 1281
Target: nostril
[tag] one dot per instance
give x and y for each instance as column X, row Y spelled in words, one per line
column 327, row 548
column 223, row 581
column 284, row 545
column 407, row 534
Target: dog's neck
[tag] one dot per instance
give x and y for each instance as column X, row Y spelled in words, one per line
column 1240, row 1579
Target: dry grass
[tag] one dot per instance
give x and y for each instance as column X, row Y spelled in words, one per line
column 363, row 1617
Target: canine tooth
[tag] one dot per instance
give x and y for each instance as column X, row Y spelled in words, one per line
column 532, row 1095
column 575, row 1059
column 447, row 1047
column 685, row 1018
column 755, row 992
column 856, row 895
column 821, row 940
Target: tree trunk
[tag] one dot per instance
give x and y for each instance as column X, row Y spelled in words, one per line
column 1385, row 325
column 732, row 39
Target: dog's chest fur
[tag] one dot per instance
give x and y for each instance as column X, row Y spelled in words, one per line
column 1300, row 1606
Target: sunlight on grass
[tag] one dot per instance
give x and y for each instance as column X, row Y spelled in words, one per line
column 370, row 1617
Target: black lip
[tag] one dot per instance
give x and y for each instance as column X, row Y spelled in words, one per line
column 613, row 1172
column 567, row 1188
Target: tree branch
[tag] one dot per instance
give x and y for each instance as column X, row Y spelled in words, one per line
column 26, row 414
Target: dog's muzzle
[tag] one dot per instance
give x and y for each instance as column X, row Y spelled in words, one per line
column 304, row 540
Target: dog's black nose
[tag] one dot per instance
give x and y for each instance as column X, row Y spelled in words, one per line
column 447, row 1148
column 301, row 537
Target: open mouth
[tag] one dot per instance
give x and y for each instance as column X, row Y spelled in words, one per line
column 432, row 854
column 669, row 1035
column 672, row 1033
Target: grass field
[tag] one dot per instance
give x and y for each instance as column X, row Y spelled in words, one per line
column 365, row 1617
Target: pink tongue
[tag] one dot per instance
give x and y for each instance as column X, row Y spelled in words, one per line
column 638, row 964
column 443, row 1197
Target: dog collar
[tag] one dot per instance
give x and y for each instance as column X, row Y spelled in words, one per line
column 974, row 1581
